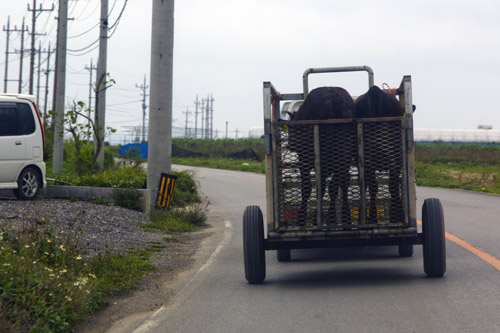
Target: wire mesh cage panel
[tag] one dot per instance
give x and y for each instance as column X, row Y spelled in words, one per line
column 334, row 175
column 383, row 169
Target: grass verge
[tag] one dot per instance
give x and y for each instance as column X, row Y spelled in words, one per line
column 47, row 285
column 176, row 220
column 222, row 163
column 460, row 176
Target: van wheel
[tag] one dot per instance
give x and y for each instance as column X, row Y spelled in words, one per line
column 28, row 184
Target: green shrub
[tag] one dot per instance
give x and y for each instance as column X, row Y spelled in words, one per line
column 46, row 284
column 122, row 177
column 128, row 198
column 176, row 219
column 252, row 149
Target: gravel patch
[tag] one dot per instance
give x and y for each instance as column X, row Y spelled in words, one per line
column 97, row 228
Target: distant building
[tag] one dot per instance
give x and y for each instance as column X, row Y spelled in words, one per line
column 485, row 127
column 483, row 135
column 256, row 132
column 480, row 136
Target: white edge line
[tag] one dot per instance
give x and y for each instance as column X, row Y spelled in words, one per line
column 153, row 321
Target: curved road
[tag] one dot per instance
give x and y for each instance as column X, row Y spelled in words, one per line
column 339, row 290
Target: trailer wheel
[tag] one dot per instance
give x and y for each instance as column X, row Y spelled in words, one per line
column 283, row 255
column 406, row 250
column 434, row 239
column 253, row 245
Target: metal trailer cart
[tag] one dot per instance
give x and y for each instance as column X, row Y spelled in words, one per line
column 380, row 147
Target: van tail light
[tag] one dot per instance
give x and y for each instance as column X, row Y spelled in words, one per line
column 41, row 124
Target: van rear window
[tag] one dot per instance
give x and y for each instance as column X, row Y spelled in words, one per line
column 26, row 120
column 8, row 119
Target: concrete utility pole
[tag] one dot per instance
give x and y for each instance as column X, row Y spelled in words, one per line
column 207, row 118
column 187, row 112
column 60, row 91
column 47, row 73
column 211, row 116
column 202, row 118
column 6, row 77
column 91, row 70
column 33, row 35
column 160, row 102
column 7, row 52
column 19, row 90
column 143, row 87
column 196, row 103
column 100, row 112
column 38, row 74
column 226, row 128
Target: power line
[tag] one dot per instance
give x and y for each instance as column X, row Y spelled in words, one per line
column 115, row 25
column 91, row 13
column 85, row 32
column 85, row 48
column 87, row 52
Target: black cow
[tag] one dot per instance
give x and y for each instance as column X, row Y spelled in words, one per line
column 321, row 104
column 381, row 154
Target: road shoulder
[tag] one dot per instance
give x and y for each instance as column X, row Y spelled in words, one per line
column 175, row 266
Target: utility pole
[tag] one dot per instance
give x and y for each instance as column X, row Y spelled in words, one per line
column 196, row 103
column 91, row 70
column 207, row 118
column 203, row 115
column 38, row 74
column 47, row 73
column 7, row 52
column 237, row 131
column 160, row 110
column 6, row 77
column 60, row 91
column 226, row 128
column 33, row 35
column 187, row 112
column 100, row 112
column 211, row 116
column 21, row 58
column 143, row 87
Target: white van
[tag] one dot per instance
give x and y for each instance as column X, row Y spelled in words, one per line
column 22, row 141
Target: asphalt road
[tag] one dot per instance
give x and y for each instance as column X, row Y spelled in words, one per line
column 340, row 290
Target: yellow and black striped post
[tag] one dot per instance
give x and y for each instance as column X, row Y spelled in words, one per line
column 166, row 190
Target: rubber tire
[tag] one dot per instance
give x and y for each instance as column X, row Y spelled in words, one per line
column 253, row 245
column 406, row 250
column 29, row 184
column 283, row 255
column 434, row 238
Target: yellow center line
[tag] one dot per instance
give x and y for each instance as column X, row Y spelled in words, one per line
column 490, row 259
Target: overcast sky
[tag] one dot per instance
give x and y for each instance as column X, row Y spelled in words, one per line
column 227, row 48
